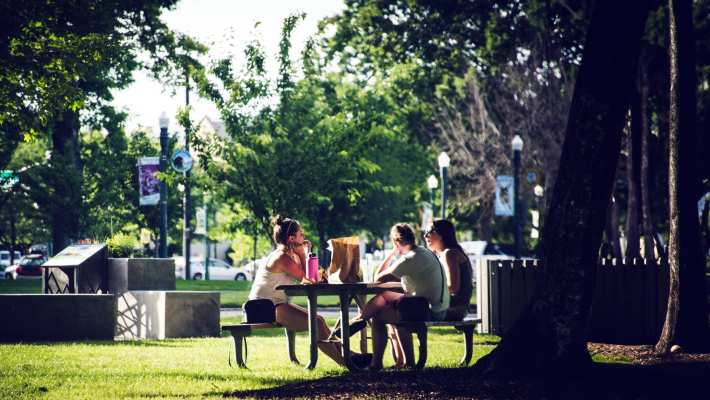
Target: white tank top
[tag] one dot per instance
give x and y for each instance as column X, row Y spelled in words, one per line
column 264, row 285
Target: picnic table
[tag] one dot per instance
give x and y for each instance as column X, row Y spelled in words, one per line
column 345, row 292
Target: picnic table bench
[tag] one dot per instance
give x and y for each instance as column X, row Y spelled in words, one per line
column 420, row 328
column 240, row 331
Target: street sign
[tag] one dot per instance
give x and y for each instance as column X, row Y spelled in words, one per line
column 201, row 225
column 504, row 202
column 8, row 179
column 181, row 161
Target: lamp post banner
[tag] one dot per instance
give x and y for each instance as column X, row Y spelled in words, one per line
column 505, row 202
column 149, row 184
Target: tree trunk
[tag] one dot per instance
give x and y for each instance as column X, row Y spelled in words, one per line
column 686, row 315
column 548, row 338
column 612, row 229
column 485, row 220
column 647, row 222
column 66, row 203
column 633, row 161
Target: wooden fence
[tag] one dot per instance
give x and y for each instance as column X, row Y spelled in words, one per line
column 629, row 303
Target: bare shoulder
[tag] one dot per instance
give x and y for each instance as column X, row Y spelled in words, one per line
column 454, row 256
column 278, row 261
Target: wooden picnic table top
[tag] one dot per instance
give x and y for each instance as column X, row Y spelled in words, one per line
column 339, row 288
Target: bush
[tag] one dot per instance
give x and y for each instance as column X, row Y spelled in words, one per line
column 122, row 245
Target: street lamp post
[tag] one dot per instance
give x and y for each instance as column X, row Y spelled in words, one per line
column 444, row 162
column 432, row 183
column 163, row 121
column 186, row 214
column 517, row 149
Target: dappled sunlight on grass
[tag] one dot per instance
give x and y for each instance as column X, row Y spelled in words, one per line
column 196, row 367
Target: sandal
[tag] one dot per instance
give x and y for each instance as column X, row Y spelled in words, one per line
column 355, row 327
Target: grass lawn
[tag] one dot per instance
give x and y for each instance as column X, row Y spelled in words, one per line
column 196, row 368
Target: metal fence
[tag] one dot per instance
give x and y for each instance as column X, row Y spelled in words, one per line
column 629, row 301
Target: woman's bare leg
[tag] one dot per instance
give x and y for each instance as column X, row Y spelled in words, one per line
column 404, row 339
column 379, row 335
column 397, row 351
column 379, row 303
column 295, row 318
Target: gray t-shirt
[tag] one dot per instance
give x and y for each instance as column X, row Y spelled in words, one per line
column 421, row 275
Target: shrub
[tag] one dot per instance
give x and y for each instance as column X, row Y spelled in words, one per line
column 122, row 245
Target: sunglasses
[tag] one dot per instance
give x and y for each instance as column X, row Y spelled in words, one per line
column 429, row 232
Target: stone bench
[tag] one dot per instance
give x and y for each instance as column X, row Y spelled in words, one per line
column 239, row 333
column 420, row 328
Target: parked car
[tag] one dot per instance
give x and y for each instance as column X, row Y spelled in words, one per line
column 219, row 270
column 5, row 258
column 29, row 266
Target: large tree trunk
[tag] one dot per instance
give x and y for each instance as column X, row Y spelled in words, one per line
column 647, row 222
column 686, row 315
column 66, row 203
column 633, row 164
column 548, row 338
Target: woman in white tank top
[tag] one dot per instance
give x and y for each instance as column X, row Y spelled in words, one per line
column 285, row 265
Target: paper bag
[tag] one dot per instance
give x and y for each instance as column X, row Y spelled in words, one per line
column 345, row 260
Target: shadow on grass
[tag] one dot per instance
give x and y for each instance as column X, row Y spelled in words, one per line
column 601, row 381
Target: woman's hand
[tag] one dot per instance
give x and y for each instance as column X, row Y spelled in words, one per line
column 301, row 250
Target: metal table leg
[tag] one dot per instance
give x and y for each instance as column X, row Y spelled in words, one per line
column 313, row 328
column 345, row 330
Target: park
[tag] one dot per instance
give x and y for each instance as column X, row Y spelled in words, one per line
column 207, row 199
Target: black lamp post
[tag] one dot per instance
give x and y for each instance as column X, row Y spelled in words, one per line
column 517, row 149
column 444, row 162
column 432, row 183
column 163, row 121
column 186, row 212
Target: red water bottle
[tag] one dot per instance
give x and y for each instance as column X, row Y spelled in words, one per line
column 312, row 267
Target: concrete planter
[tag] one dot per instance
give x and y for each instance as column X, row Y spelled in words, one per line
column 157, row 314
column 57, row 317
column 125, row 274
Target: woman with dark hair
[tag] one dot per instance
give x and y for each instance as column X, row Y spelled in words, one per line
column 440, row 237
column 286, row 264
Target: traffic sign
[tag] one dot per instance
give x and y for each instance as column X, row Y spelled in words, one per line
column 181, row 161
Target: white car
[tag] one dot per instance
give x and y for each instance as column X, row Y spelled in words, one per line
column 219, row 270
column 5, row 258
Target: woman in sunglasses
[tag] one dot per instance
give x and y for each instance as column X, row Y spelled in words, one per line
column 440, row 237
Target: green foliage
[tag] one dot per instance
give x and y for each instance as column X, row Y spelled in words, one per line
column 122, row 245
column 21, row 204
column 234, row 224
column 334, row 153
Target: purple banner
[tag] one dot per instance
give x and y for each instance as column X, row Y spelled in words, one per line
column 149, row 184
